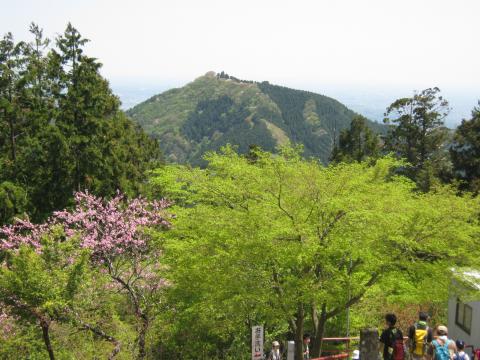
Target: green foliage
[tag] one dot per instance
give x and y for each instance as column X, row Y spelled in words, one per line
column 358, row 143
column 465, row 152
column 417, row 134
column 40, row 288
column 13, row 201
column 61, row 128
column 258, row 238
column 283, row 241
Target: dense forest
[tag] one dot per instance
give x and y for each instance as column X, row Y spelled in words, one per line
column 61, row 128
column 300, row 210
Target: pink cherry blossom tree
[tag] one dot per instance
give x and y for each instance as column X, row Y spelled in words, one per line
column 118, row 233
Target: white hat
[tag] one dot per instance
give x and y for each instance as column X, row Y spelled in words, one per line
column 275, row 343
column 356, row 355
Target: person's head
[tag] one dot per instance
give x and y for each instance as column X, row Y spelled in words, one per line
column 390, row 319
column 422, row 316
column 460, row 345
column 442, row 330
column 275, row 345
column 306, row 338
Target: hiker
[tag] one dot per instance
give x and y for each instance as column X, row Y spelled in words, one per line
column 420, row 335
column 392, row 340
column 460, row 354
column 442, row 348
column 275, row 353
column 306, row 349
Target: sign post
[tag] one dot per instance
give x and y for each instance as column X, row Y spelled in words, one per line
column 257, row 342
column 291, row 350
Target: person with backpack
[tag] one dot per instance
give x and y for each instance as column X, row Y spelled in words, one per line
column 442, row 348
column 392, row 340
column 460, row 354
column 420, row 335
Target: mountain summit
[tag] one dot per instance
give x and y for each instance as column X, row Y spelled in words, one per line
column 218, row 109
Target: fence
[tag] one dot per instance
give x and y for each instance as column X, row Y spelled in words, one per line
column 338, row 348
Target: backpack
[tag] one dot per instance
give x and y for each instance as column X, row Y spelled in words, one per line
column 441, row 352
column 419, row 346
column 396, row 342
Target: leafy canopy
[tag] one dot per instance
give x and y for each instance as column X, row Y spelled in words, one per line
column 282, row 240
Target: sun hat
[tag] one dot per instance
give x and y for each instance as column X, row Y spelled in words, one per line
column 443, row 329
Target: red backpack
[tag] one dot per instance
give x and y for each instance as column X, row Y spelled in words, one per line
column 398, row 350
column 397, row 345
column 477, row 354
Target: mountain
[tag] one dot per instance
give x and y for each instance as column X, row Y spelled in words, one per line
column 217, row 109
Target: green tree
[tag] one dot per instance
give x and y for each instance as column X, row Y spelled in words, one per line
column 12, row 97
column 288, row 243
column 61, row 128
column 465, row 152
column 417, row 134
column 13, row 202
column 85, row 104
column 357, row 143
column 38, row 288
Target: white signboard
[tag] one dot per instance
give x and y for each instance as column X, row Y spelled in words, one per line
column 257, row 342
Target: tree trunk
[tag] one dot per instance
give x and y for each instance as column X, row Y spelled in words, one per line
column 46, row 338
column 141, row 336
column 319, row 321
column 299, row 322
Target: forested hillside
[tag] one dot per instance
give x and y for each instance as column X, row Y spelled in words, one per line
column 218, row 109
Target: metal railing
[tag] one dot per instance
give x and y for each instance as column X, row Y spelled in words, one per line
column 338, row 348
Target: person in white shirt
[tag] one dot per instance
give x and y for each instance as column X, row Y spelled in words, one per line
column 461, row 354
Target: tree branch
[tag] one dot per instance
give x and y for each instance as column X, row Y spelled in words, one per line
column 278, row 290
column 105, row 336
column 352, row 301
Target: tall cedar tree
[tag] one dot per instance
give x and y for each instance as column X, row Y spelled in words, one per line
column 357, row 143
column 61, row 127
column 417, row 134
column 465, row 152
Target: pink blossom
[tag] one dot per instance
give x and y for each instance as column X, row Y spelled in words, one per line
column 107, row 227
column 7, row 322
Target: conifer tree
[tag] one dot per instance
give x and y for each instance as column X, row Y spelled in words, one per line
column 61, row 127
column 417, row 134
column 357, row 143
column 12, row 72
column 465, row 152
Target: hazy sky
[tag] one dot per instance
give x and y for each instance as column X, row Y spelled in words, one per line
column 409, row 44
